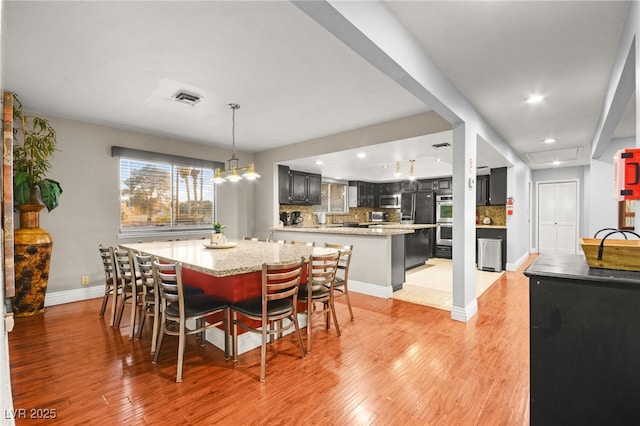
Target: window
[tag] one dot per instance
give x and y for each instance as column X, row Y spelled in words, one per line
column 164, row 192
column 334, row 198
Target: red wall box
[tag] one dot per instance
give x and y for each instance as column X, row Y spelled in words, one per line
column 627, row 174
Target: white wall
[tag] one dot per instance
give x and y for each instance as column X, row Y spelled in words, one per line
column 88, row 214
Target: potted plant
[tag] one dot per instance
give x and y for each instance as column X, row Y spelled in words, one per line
column 217, row 227
column 34, row 143
column 217, row 236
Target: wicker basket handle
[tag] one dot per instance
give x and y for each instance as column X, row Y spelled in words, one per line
column 607, row 229
column 621, row 231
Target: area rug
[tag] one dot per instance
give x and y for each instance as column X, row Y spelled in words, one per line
column 431, row 284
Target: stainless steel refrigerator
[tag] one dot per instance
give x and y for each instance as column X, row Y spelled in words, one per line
column 418, row 207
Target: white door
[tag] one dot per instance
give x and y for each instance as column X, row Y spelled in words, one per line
column 558, row 217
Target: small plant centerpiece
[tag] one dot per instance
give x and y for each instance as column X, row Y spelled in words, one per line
column 217, row 236
column 218, row 227
column 34, row 143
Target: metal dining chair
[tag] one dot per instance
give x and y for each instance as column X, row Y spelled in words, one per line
column 278, row 301
column 319, row 289
column 178, row 309
column 341, row 284
column 112, row 284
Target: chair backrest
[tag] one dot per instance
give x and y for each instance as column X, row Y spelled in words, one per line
column 109, row 264
column 280, row 281
column 168, row 276
column 302, row 243
column 345, row 258
column 126, row 267
column 145, row 267
column 322, row 268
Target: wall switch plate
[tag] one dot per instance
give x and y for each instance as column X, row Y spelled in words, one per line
column 84, row 280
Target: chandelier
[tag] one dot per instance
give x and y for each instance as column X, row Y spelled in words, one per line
column 233, row 163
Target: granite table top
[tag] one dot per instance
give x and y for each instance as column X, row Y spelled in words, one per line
column 244, row 257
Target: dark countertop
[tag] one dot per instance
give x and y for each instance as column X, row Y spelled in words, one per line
column 574, row 266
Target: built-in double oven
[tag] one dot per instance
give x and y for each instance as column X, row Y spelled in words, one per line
column 444, row 220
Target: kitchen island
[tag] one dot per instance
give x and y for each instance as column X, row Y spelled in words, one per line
column 378, row 261
column 585, row 342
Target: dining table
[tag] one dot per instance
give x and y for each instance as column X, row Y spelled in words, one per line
column 231, row 271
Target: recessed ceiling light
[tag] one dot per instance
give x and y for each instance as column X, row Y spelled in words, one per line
column 437, row 160
column 556, row 163
column 549, row 140
column 534, row 99
column 319, row 162
column 337, row 177
column 361, row 155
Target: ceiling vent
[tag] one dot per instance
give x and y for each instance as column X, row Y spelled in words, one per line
column 441, row 145
column 187, row 98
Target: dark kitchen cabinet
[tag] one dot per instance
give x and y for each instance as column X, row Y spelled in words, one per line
column 498, row 187
column 482, row 190
column 584, row 344
column 491, row 190
column 390, row 188
column 365, row 193
column 298, row 188
column 418, row 248
column 442, row 185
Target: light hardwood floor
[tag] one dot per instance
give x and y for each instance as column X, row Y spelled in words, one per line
column 431, row 284
column 398, row 363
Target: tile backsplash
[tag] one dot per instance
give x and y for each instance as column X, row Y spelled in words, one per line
column 497, row 214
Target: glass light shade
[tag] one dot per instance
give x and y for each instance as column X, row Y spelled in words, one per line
column 217, row 177
column 234, row 176
column 251, row 174
column 398, row 172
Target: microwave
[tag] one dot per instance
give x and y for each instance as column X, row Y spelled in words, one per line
column 389, row 201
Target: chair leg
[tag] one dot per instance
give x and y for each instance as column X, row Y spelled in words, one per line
column 333, row 313
column 156, row 326
column 114, row 306
column 118, row 320
column 143, row 317
column 263, row 353
column 294, row 318
column 156, row 353
column 105, row 300
column 346, row 293
column 134, row 312
column 181, row 345
column 309, row 317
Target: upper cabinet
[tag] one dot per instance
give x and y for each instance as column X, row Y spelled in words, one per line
column 390, row 188
column 298, row 188
column 482, row 190
column 362, row 194
column 498, row 187
column 491, row 190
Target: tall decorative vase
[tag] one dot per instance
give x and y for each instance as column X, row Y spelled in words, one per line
column 32, row 257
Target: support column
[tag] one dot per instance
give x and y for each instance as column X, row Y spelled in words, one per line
column 465, row 304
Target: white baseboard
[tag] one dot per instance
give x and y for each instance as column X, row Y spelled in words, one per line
column 371, row 289
column 464, row 314
column 514, row 266
column 75, row 295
